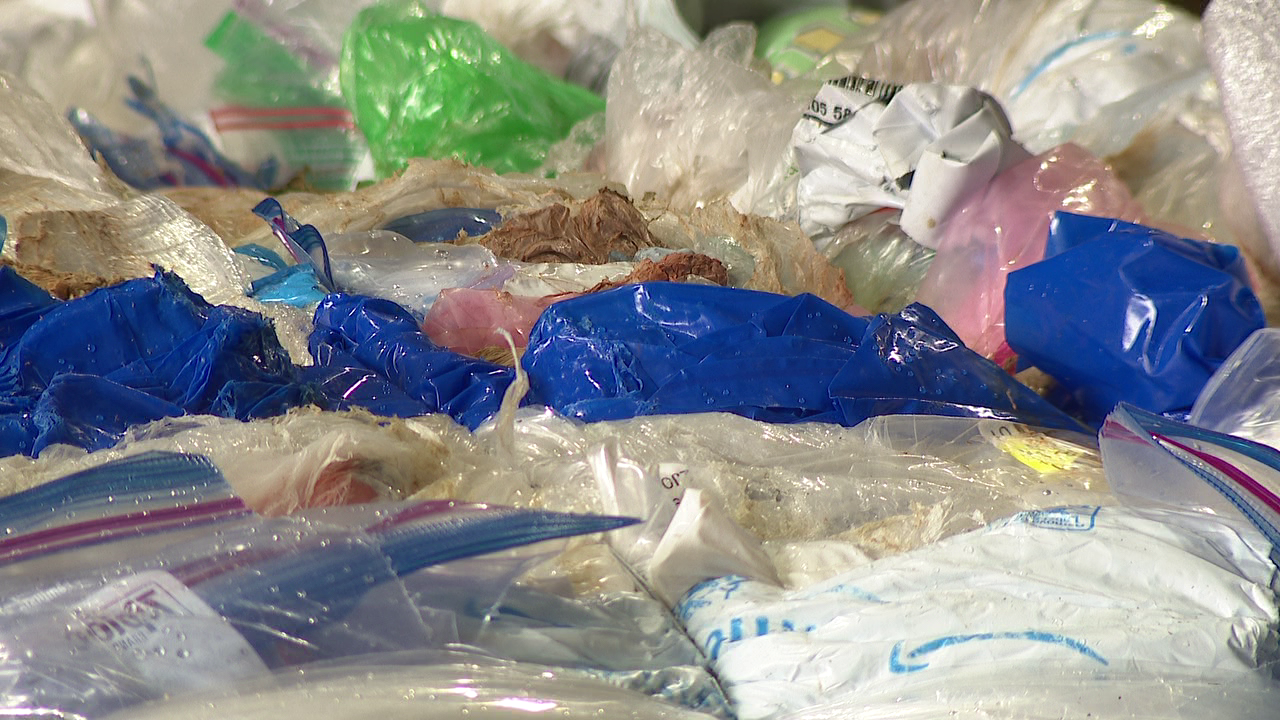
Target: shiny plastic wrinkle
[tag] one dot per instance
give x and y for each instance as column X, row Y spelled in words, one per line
column 1127, row 313
column 673, row 348
column 148, row 348
column 370, row 353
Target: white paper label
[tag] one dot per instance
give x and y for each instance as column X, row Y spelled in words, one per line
column 159, row 627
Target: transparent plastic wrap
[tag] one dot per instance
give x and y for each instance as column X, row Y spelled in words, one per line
column 305, row 458
column 693, row 126
column 782, row 258
column 882, row 266
column 1241, row 397
column 1240, row 38
column 1004, row 228
column 261, row 594
column 455, row 685
column 891, row 484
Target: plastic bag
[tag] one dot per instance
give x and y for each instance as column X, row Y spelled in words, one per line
column 273, row 593
column 306, row 458
column 150, row 348
column 473, row 322
column 399, row 60
column 1055, row 65
column 146, row 494
column 698, row 125
column 1004, row 228
column 671, row 348
column 882, row 266
column 1239, row 38
column 455, row 685
column 1123, row 312
column 1081, row 588
column 369, row 353
column 1240, row 398
column 184, row 156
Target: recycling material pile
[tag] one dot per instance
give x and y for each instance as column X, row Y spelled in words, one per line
column 430, row 358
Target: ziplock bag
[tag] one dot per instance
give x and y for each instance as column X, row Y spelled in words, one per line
column 267, row 594
column 1241, row 397
column 1211, row 477
column 1124, row 312
column 148, row 493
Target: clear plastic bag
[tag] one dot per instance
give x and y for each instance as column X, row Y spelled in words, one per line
column 1240, row 398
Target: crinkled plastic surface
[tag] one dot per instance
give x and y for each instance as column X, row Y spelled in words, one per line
column 263, row 593
column 698, row 125
column 88, row 369
column 400, row 61
column 672, row 348
column 370, row 353
column 882, row 266
column 1084, row 589
column 1004, row 228
column 469, row 321
column 445, row 224
column 1240, row 37
column 1241, row 397
column 1055, row 65
column 1123, row 312
column 303, row 459
column 459, row 687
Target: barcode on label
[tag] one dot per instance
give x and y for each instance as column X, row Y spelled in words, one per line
column 876, row 89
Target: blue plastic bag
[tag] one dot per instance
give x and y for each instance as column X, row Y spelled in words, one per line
column 675, row 348
column 1123, row 312
column 83, row 371
column 370, row 353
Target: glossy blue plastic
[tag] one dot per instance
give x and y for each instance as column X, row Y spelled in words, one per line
column 1119, row 312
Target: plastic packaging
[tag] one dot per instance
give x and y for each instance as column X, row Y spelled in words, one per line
column 1212, row 479
column 452, row 687
column 667, row 347
column 882, row 266
column 398, row 60
column 1004, row 228
column 473, row 322
column 1083, row 588
column 275, row 593
column 148, row 493
column 445, row 224
column 306, row 458
column 149, row 348
column 1055, row 65
column 1240, row 398
column 698, row 125
column 185, row 155
column 924, row 148
column 795, row 42
column 1123, row 312
column 369, row 353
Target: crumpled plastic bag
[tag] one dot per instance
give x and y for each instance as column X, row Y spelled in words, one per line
column 1004, row 228
column 1123, row 312
column 692, row 126
column 422, row 84
column 676, row 348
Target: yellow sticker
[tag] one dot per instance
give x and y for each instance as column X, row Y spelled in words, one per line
column 819, row 40
column 1039, row 452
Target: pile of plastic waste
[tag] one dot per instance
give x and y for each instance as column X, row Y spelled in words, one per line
column 639, row 358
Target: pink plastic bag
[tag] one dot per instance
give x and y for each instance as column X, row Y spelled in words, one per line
column 1005, row 228
column 466, row 320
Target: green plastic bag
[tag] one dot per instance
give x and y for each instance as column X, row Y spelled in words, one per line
column 421, row 84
